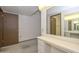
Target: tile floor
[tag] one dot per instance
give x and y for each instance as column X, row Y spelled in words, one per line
column 29, row 46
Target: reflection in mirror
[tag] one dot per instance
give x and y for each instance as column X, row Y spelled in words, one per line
column 67, row 24
column 71, row 25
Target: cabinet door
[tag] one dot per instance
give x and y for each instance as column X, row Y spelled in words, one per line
column 10, row 29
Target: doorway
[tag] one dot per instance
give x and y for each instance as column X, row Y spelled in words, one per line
column 55, row 24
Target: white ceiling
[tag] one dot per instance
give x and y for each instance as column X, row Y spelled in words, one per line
column 24, row 10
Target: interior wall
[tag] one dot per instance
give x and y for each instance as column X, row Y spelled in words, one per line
column 43, row 22
column 29, row 26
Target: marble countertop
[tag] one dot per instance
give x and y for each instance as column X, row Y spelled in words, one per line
column 63, row 43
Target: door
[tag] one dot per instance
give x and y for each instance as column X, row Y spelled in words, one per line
column 55, row 24
column 10, row 29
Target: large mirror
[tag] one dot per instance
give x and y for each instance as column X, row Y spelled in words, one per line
column 71, row 25
column 63, row 21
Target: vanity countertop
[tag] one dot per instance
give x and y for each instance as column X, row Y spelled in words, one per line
column 64, row 43
column 74, row 32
